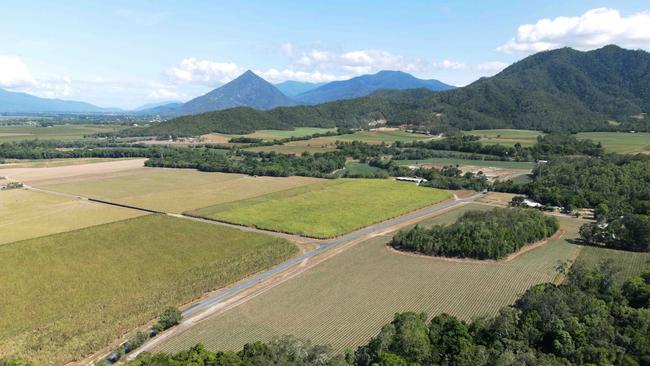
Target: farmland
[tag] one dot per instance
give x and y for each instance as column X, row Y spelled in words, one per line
column 478, row 163
column 70, row 294
column 174, row 190
column 327, row 209
column 371, row 284
column 507, row 137
column 56, row 132
column 23, row 214
column 621, row 143
column 629, row 263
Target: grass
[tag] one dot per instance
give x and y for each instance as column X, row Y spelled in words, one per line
column 176, row 190
column 345, row 300
column 26, row 214
column 56, row 132
column 480, row 163
column 359, row 168
column 622, row 143
column 629, row 263
column 327, row 209
column 297, row 132
column 507, row 137
column 68, row 295
column 387, row 136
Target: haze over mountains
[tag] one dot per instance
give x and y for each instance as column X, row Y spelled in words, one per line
column 15, row 102
column 564, row 89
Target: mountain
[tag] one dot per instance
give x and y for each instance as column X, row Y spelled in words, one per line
column 560, row 90
column 247, row 90
column 15, row 102
column 156, row 104
column 168, row 108
column 292, row 88
column 361, row 86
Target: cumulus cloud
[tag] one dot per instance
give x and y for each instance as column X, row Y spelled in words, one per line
column 209, row 73
column 164, row 94
column 276, row 76
column 593, row 29
column 450, row 65
column 14, row 73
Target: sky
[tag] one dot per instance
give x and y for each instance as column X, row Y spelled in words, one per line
column 127, row 53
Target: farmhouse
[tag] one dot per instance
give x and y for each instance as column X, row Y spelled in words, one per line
column 411, row 179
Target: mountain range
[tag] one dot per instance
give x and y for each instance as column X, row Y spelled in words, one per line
column 15, row 102
column 292, row 88
column 562, row 89
column 361, row 86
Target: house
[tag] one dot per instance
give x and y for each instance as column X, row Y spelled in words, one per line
column 532, row 204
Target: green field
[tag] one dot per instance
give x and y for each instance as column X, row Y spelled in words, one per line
column 49, row 163
column 56, row 132
column 507, row 137
column 629, row 263
column 480, row 163
column 65, row 296
column 327, row 209
column 25, row 214
column 176, row 190
column 359, row 168
column 622, row 143
column 383, row 136
column 347, row 299
column 281, row 134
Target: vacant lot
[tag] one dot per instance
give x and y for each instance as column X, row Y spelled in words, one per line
column 327, row 209
column 507, row 137
column 56, row 132
column 25, row 214
column 622, row 143
column 67, row 295
column 175, row 190
column 345, row 300
column 628, row 263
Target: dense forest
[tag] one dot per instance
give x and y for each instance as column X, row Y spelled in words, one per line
column 590, row 319
column 492, row 234
column 558, row 90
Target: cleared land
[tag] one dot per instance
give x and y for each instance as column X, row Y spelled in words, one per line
column 358, row 168
column 507, row 137
column 25, row 214
column 327, row 209
column 345, row 300
column 56, row 132
column 622, row 143
column 67, row 295
column 174, row 190
column 629, row 263
column 50, row 163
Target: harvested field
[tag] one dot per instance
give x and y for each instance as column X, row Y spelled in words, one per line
column 50, row 163
column 68, row 295
column 345, row 300
column 25, row 214
column 56, row 132
column 327, row 209
column 174, row 190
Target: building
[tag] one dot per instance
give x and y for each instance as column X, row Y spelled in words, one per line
column 411, row 179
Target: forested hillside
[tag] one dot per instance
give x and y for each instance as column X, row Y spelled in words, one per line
column 564, row 89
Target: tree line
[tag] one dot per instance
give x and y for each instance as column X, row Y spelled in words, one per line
column 492, row 234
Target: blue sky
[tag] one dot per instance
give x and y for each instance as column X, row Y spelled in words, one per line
column 126, row 53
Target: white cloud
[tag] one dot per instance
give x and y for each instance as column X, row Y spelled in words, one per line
column 593, row 29
column 450, row 65
column 276, row 76
column 354, row 62
column 164, row 94
column 14, row 73
column 287, row 48
column 210, row 73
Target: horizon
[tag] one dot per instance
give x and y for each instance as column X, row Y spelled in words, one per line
column 76, row 51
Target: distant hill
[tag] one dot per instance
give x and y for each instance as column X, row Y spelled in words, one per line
column 248, row 90
column 292, row 88
column 156, row 104
column 15, row 102
column 169, row 108
column 361, row 86
column 560, row 90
